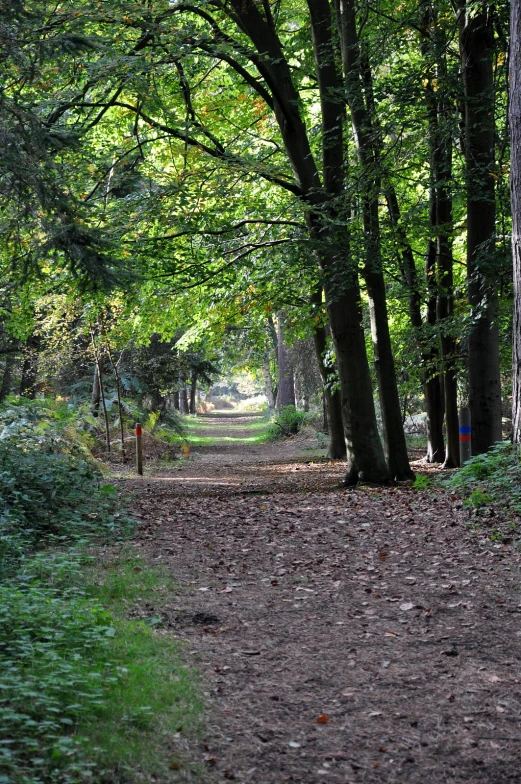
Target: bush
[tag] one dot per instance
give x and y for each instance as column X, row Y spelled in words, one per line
column 53, row 652
column 51, row 499
column 288, row 422
column 491, row 477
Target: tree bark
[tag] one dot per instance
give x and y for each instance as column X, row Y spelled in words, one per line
column 332, row 400
column 429, row 357
column 515, row 184
column 365, row 454
column 7, row 378
column 193, row 392
column 268, row 381
column 359, row 97
column 477, row 52
column 183, row 399
column 434, row 46
column 95, row 399
column 286, row 385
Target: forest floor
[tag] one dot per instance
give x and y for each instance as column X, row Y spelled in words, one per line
column 342, row 635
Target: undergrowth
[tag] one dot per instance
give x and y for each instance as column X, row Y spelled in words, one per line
column 86, row 693
column 494, row 477
column 490, row 485
column 287, row 422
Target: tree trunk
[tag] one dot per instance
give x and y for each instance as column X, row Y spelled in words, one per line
column 95, row 399
column 193, row 392
column 477, row 54
column 7, row 378
column 515, row 182
column 286, row 385
column 429, row 356
column 268, row 381
column 183, row 399
column 434, row 47
column 332, row 400
column 365, row 454
column 358, row 84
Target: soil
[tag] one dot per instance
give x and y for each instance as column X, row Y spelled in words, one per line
column 342, row 635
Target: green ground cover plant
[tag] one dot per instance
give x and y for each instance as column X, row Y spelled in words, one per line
column 494, row 477
column 90, row 689
column 287, row 422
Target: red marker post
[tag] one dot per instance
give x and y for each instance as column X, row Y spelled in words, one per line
column 139, row 448
column 465, row 436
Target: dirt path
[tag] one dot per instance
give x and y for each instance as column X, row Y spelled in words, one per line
column 343, row 636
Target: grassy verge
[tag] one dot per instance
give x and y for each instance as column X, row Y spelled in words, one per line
column 91, row 688
column 87, row 692
column 198, row 431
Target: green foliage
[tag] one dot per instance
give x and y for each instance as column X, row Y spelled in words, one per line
column 478, row 498
column 84, row 691
column 421, row 482
column 288, row 422
column 47, row 425
column 53, row 657
column 494, row 477
column 50, row 498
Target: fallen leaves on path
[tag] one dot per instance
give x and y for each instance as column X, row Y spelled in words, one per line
column 377, row 606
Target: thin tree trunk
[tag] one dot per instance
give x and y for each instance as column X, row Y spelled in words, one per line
column 183, row 398
column 286, row 385
column 268, row 381
column 99, row 362
column 429, row 357
column 7, row 378
column 477, row 52
column 332, row 400
column 193, row 391
column 96, row 392
column 515, row 182
column 359, row 97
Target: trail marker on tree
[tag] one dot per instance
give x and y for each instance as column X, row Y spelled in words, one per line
column 465, row 436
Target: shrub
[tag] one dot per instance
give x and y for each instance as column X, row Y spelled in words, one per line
column 50, row 499
column 288, row 422
column 491, row 477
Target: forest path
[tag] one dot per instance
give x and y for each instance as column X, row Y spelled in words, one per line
column 343, row 635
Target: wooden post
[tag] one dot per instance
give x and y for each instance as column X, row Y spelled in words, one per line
column 139, row 448
column 465, row 436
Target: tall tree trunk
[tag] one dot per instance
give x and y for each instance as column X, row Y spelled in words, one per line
column 95, row 399
column 268, row 381
column 286, row 385
column 358, row 83
column 332, row 400
column 515, row 182
column 7, row 378
column 193, row 391
column 429, row 357
column 365, row 454
column 477, row 52
column 183, row 399
column 434, row 401
column 434, row 47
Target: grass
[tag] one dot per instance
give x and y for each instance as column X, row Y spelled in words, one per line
column 195, row 428
column 88, row 692
column 196, row 423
